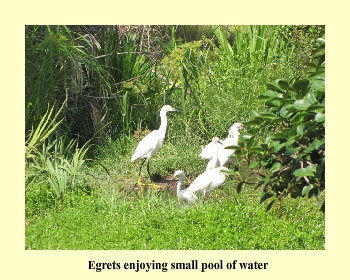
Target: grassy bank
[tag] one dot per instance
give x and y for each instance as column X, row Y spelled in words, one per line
column 154, row 221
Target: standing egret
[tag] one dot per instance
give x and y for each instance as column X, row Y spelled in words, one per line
column 214, row 161
column 224, row 155
column 184, row 196
column 152, row 141
column 208, row 180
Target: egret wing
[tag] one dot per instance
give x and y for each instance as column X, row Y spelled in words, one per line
column 224, row 154
column 148, row 145
column 207, row 151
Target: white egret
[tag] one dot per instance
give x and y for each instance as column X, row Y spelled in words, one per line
column 234, row 130
column 214, row 161
column 207, row 151
column 208, row 180
column 223, row 154
column 184, row 196
column 152, row 141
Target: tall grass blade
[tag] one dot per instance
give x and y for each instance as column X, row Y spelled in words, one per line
column 45, row 128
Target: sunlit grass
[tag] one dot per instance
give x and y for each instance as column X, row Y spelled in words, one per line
column 154, row 220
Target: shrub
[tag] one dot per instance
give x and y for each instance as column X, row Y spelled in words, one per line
column 285, row 146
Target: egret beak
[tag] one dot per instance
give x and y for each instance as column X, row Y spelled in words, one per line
column 174, row 110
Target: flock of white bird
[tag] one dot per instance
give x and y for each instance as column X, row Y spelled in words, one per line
column 215, row 152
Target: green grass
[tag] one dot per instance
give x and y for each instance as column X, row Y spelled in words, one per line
column 152, row 220
column 114, row 216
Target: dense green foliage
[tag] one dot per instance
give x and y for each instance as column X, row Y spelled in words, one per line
column 106, row 88
column 53, row 160
column 288, row 138
column 60, row 67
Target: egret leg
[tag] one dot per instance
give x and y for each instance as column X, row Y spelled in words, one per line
column 149, row 174
column 139, row 179
column 140, row 183
column 141, row 166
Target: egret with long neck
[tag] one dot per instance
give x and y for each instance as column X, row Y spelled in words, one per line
column 152, row 141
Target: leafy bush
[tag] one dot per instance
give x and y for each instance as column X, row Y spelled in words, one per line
column 285, row 146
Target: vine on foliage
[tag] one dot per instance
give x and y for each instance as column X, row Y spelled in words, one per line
column 284, row 147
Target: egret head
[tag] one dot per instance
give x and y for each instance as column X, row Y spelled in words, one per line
column 237, row 126
column 179, row 174
column 168, row 108
column 234, row 129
